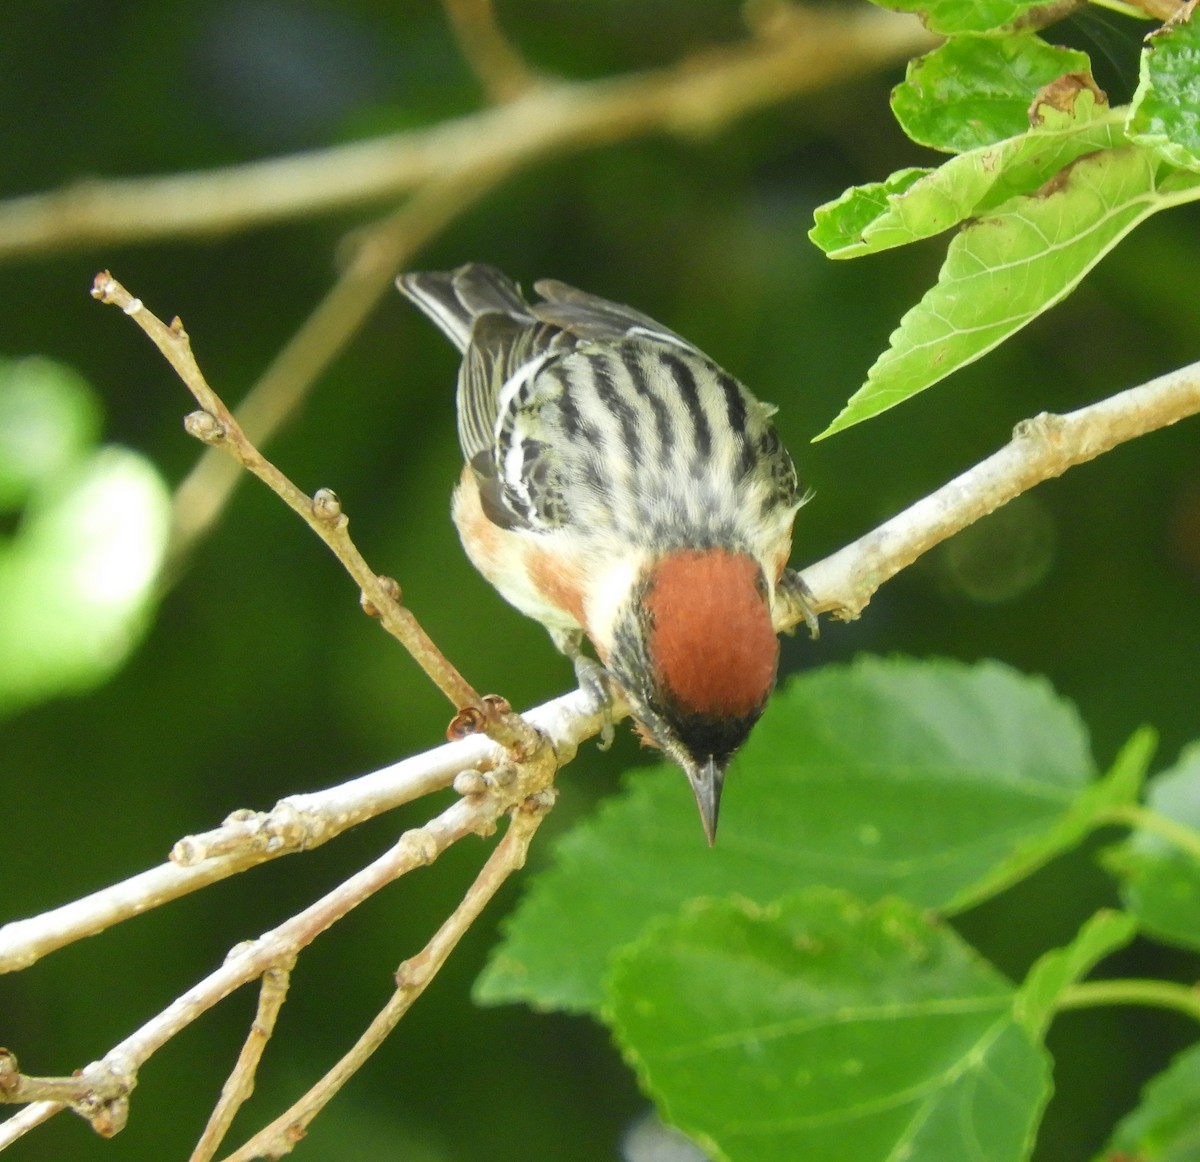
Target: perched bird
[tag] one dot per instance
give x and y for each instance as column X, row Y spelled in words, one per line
column 619, row 485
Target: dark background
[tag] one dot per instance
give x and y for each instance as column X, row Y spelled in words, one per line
column 260, row 677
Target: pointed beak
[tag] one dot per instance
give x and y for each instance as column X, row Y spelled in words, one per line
column 707, row 779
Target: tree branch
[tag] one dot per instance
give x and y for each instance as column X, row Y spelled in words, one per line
column 240, row 1084
column 1041, row 448
column 111, row 1079
column 412, row 977
column 696, row 96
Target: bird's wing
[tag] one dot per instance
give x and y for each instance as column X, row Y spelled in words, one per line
column 589, row 318
column 506, row 343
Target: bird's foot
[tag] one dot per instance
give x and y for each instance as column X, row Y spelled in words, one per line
column 596, row 682
column 793, row 596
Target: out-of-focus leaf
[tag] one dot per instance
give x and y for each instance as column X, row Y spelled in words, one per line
column 1056, row 971
column 49, row 417
column 1161, row 880
column 953, row 16
column 1166, row 107
column 825, row 1029
column 76, row 582
column 1165, row 1127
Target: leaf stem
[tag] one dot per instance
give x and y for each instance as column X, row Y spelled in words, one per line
column 1187, row 839
column 1159, row 994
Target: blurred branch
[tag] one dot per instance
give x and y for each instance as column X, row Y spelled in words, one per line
column 812, row 50
column 1041, row 448
column 499, row 67
column 378, row 252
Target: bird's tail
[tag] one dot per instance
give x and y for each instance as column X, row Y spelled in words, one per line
column 455, row 299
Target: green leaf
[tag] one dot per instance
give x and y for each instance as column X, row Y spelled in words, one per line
column 1056, row 971
column 1161, row 879
column 1165, row 1127
column 974, row 91
column 915, row 204
column 49, row 417
column 1091, row 807
column 1004, row 270
column 77, row 581
column 824, row 1029
column 841, row 225
column 884, row 777
column 953, row 16
column 1166, row 107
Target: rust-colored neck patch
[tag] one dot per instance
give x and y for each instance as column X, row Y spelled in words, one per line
column 709, row 635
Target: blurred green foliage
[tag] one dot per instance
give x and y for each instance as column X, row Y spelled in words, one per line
column 260, row 677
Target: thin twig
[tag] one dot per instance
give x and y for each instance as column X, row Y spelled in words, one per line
column 240, row 1084
column 214, row 424
column 698, row 95
column 117, row 1071
column 1040, row 449
column 500, row 69
column 412, row 977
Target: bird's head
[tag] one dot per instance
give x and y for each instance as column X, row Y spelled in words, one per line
column 696, row 654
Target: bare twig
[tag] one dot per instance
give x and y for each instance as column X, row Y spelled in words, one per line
column 215, row 425
column 1041, row 448
column 697, row 96
column 297, row 823
column 240, row 1084
column 412, row 977
column 499, row 67
column 105, row 1102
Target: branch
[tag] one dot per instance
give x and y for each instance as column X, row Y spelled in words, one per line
column 698, row 96
column 1041, row 448
column 499, row 67
column 110, row 1080
column 297, row 823
column 412, row 977
column 379, row 252
column 214, row 424
column 240, row 1085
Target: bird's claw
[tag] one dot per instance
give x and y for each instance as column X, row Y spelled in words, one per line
column 798, row 597
column 595, row 681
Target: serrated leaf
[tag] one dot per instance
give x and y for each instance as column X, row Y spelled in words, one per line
column 1165, row 1127
column 1160, row 879
column 1165, row 114
column 885, row 777
column 1119, row 788
column 825, row 1029
column 1037, row 1001
column 841, row 225
column 949, row 17
column 1004, row 270
column 916, row 204
column 974, row 91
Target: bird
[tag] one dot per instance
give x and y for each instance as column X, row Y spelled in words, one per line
column 619, row 486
